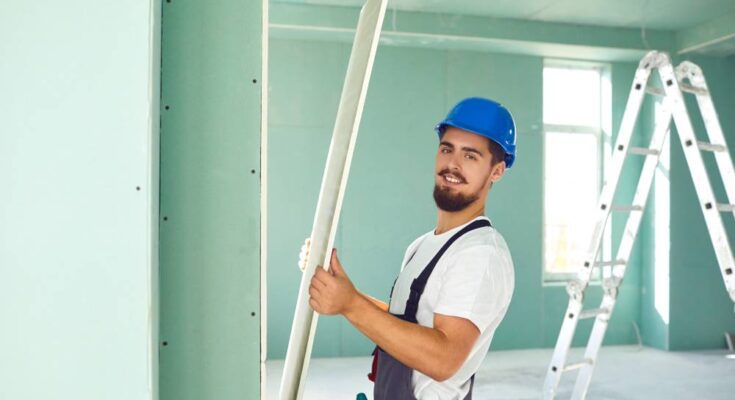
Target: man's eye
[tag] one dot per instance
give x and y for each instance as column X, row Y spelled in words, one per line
column 470, row 157
column 444, row 150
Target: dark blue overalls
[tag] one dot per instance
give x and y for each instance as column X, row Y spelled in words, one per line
column 393, row 379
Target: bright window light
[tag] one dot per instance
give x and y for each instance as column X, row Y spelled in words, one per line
column 572, row 96
column 573, row 131
column 571, row 193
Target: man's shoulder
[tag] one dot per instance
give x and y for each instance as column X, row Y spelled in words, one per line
column 480, row 250
column 488, row 239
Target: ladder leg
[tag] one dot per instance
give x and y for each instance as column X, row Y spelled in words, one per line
column 632, row 225
column 723, row 159
column 563, row 343
column 576, row 287
column 593, row 347
column 630, row 116
column 701, row 180
column 712, row 124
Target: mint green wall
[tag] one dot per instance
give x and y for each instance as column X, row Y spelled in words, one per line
column 388, row 200
column 655, row 266
column 700, row 310
column 78, row 210
column 210, row 200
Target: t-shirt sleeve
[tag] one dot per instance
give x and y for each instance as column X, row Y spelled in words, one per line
column 476, row 286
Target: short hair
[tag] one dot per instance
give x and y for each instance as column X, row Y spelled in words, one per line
column 497, row 152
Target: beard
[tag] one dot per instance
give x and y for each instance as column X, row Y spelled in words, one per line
column 448, row 201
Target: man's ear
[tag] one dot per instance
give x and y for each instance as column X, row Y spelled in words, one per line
column 497, row 171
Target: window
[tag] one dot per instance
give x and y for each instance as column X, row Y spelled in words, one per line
column 575, row 116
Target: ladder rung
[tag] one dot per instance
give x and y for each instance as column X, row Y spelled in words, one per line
column 726, row 207
column 572, row 367
column 644, row 151
column 685, row 87
column 593, row 312
column 655, row 91
column 704, row 146
column 609, row 263
column 626, row 208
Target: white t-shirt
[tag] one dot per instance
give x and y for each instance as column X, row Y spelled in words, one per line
column 474, row 280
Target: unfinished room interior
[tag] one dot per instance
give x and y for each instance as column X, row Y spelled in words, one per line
column 367, row 199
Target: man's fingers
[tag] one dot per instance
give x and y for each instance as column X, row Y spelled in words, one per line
column 314, row 304
column 317, row 283
column 313, row 291
column 304, row 254
column 322, row 276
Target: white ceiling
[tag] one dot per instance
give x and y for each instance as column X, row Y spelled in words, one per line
column 653, row 14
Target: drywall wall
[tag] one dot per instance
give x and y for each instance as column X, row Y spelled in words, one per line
column 78, row 221
column 211, row 177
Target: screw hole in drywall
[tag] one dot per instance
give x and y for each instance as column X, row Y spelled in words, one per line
column 252, row 171
column 167, row 107
column 164, row 343
column 252, row 314
column 137, row 188
column 255, row 81
column 165, row 218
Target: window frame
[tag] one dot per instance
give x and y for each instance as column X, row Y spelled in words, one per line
column 603, row 137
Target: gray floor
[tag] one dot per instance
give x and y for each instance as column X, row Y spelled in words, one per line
column 623, row 372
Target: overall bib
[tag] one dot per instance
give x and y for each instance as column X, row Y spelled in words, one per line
column 393, row 379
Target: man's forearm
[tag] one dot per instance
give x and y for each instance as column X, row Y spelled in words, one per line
column 381, row 305
column 418, row 347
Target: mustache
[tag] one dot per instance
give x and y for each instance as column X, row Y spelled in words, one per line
column 458, row 175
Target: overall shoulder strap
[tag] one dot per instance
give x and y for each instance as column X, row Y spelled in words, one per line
column 419, row 284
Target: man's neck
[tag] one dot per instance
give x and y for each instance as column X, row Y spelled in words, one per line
column 450, row 220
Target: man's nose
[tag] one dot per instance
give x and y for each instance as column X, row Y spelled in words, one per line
column 455, row 161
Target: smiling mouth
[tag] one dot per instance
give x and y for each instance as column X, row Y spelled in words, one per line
column 452, row 179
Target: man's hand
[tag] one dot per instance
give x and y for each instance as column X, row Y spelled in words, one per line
column 332, row 291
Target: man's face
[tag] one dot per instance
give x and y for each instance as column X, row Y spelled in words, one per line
column 464, row 170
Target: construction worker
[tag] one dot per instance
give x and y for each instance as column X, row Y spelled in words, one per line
column 456, row 281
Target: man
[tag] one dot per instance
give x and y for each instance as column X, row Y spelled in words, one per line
column 457, row 280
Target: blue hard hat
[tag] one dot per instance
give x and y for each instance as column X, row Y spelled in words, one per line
column 485, row 118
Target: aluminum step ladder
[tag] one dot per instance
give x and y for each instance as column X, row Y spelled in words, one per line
column 686, row 78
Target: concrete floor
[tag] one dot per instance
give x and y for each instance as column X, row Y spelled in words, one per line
column 623, row 372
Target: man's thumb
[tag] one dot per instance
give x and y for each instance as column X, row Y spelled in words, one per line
column 335, row 264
